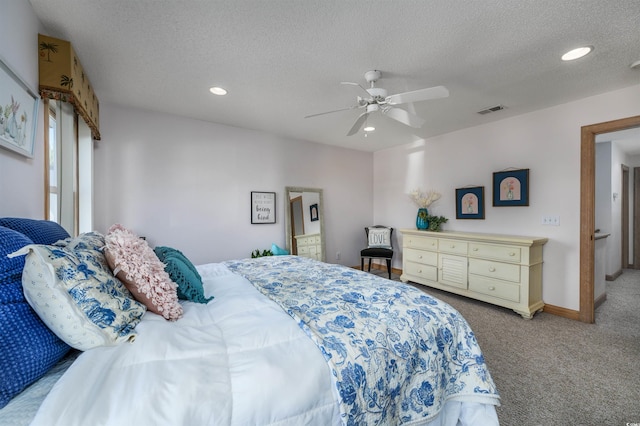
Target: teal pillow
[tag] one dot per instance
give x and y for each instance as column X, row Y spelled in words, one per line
column 278, row 251
column 183, row 273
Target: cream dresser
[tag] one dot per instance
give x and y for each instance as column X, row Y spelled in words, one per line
column 309, row 245
column 504, row 270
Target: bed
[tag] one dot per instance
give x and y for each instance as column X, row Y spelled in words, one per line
column 280, row 340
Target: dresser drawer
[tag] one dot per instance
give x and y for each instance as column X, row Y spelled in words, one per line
column 421, row 256
column 501, row 290
column 502, row 271
column 303, row 250
column 488, row 251
column 419, row 270
column 426, row 243
column 317, row 239
column 453, row 246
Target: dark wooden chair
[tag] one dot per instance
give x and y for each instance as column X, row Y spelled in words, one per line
column 379, row 246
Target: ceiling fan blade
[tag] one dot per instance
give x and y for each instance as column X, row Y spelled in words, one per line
column 331, row 112
column 418, row 95
column 358, row 124
column 362, row 91
column 404, row 117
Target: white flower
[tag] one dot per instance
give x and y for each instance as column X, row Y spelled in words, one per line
column 424, row 199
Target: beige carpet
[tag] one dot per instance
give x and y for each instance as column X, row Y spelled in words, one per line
column 555, row 371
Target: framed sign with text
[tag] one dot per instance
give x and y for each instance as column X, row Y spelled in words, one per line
column 263, row 207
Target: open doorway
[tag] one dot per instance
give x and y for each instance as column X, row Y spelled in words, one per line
column 587, row 209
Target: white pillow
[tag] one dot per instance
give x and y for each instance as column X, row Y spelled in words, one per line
column 380, row 238
column 74, row 293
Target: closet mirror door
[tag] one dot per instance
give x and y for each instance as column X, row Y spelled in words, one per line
column 304, row 222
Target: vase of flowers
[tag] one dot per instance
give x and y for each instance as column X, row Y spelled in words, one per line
column 423, row 200
column 421, row 219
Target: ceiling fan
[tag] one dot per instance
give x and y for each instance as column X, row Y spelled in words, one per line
column 375, row 99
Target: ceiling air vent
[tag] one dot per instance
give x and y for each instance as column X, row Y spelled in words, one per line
column 492, row 109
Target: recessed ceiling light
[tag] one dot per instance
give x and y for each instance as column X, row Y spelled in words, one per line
column 369, row 129
column 577, row 53
column 218, row 91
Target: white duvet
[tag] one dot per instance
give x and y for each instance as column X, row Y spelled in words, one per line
column 239, row 360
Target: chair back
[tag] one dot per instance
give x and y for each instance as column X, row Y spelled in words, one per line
column 366, row 229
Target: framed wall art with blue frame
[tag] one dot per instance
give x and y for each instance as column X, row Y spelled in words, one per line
column 511, row 188
column 470, row 202
column 313, row 212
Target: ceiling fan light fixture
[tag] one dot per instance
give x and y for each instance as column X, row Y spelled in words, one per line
column 218, row 91
column 577, row 53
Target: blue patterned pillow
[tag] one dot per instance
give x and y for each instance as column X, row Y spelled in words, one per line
column 28, row 349
column 183, row 273
column 74, row 292
column 39, row 231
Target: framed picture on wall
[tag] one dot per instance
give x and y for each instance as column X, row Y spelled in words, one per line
column 511, row 188
column 313, row 212
column 18, row 112
column 263, row 207
column 470, row 202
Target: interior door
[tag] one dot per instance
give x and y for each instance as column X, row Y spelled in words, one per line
column 297, row 222
column 624, row 261
column 636, row 217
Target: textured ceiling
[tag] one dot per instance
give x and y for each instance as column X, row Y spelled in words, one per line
column 281, row 60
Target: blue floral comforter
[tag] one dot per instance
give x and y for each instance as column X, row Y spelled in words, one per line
column 396, row 353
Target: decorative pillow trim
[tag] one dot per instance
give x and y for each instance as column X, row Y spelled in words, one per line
column 183, row 273
column 142, row 272
column 74, row 293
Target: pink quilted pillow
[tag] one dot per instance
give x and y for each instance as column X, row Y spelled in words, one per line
column 138, row 267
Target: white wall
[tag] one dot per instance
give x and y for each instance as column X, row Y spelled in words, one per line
column 21, row 178
column 547, row 142
column 187, row 183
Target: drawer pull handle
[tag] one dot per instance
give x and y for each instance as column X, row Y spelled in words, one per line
column 420, row 257
column 475, row 249
column 512, row 254
column 492, row 269
column 420, row 271
column 492, row 288
column 453, row 246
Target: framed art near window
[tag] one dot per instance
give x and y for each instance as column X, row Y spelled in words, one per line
column 470, row 202
column 263, row 207
column 511, row 188
column 18, row 112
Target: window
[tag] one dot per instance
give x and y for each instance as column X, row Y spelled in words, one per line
column 53, row 209
column 69, row 168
